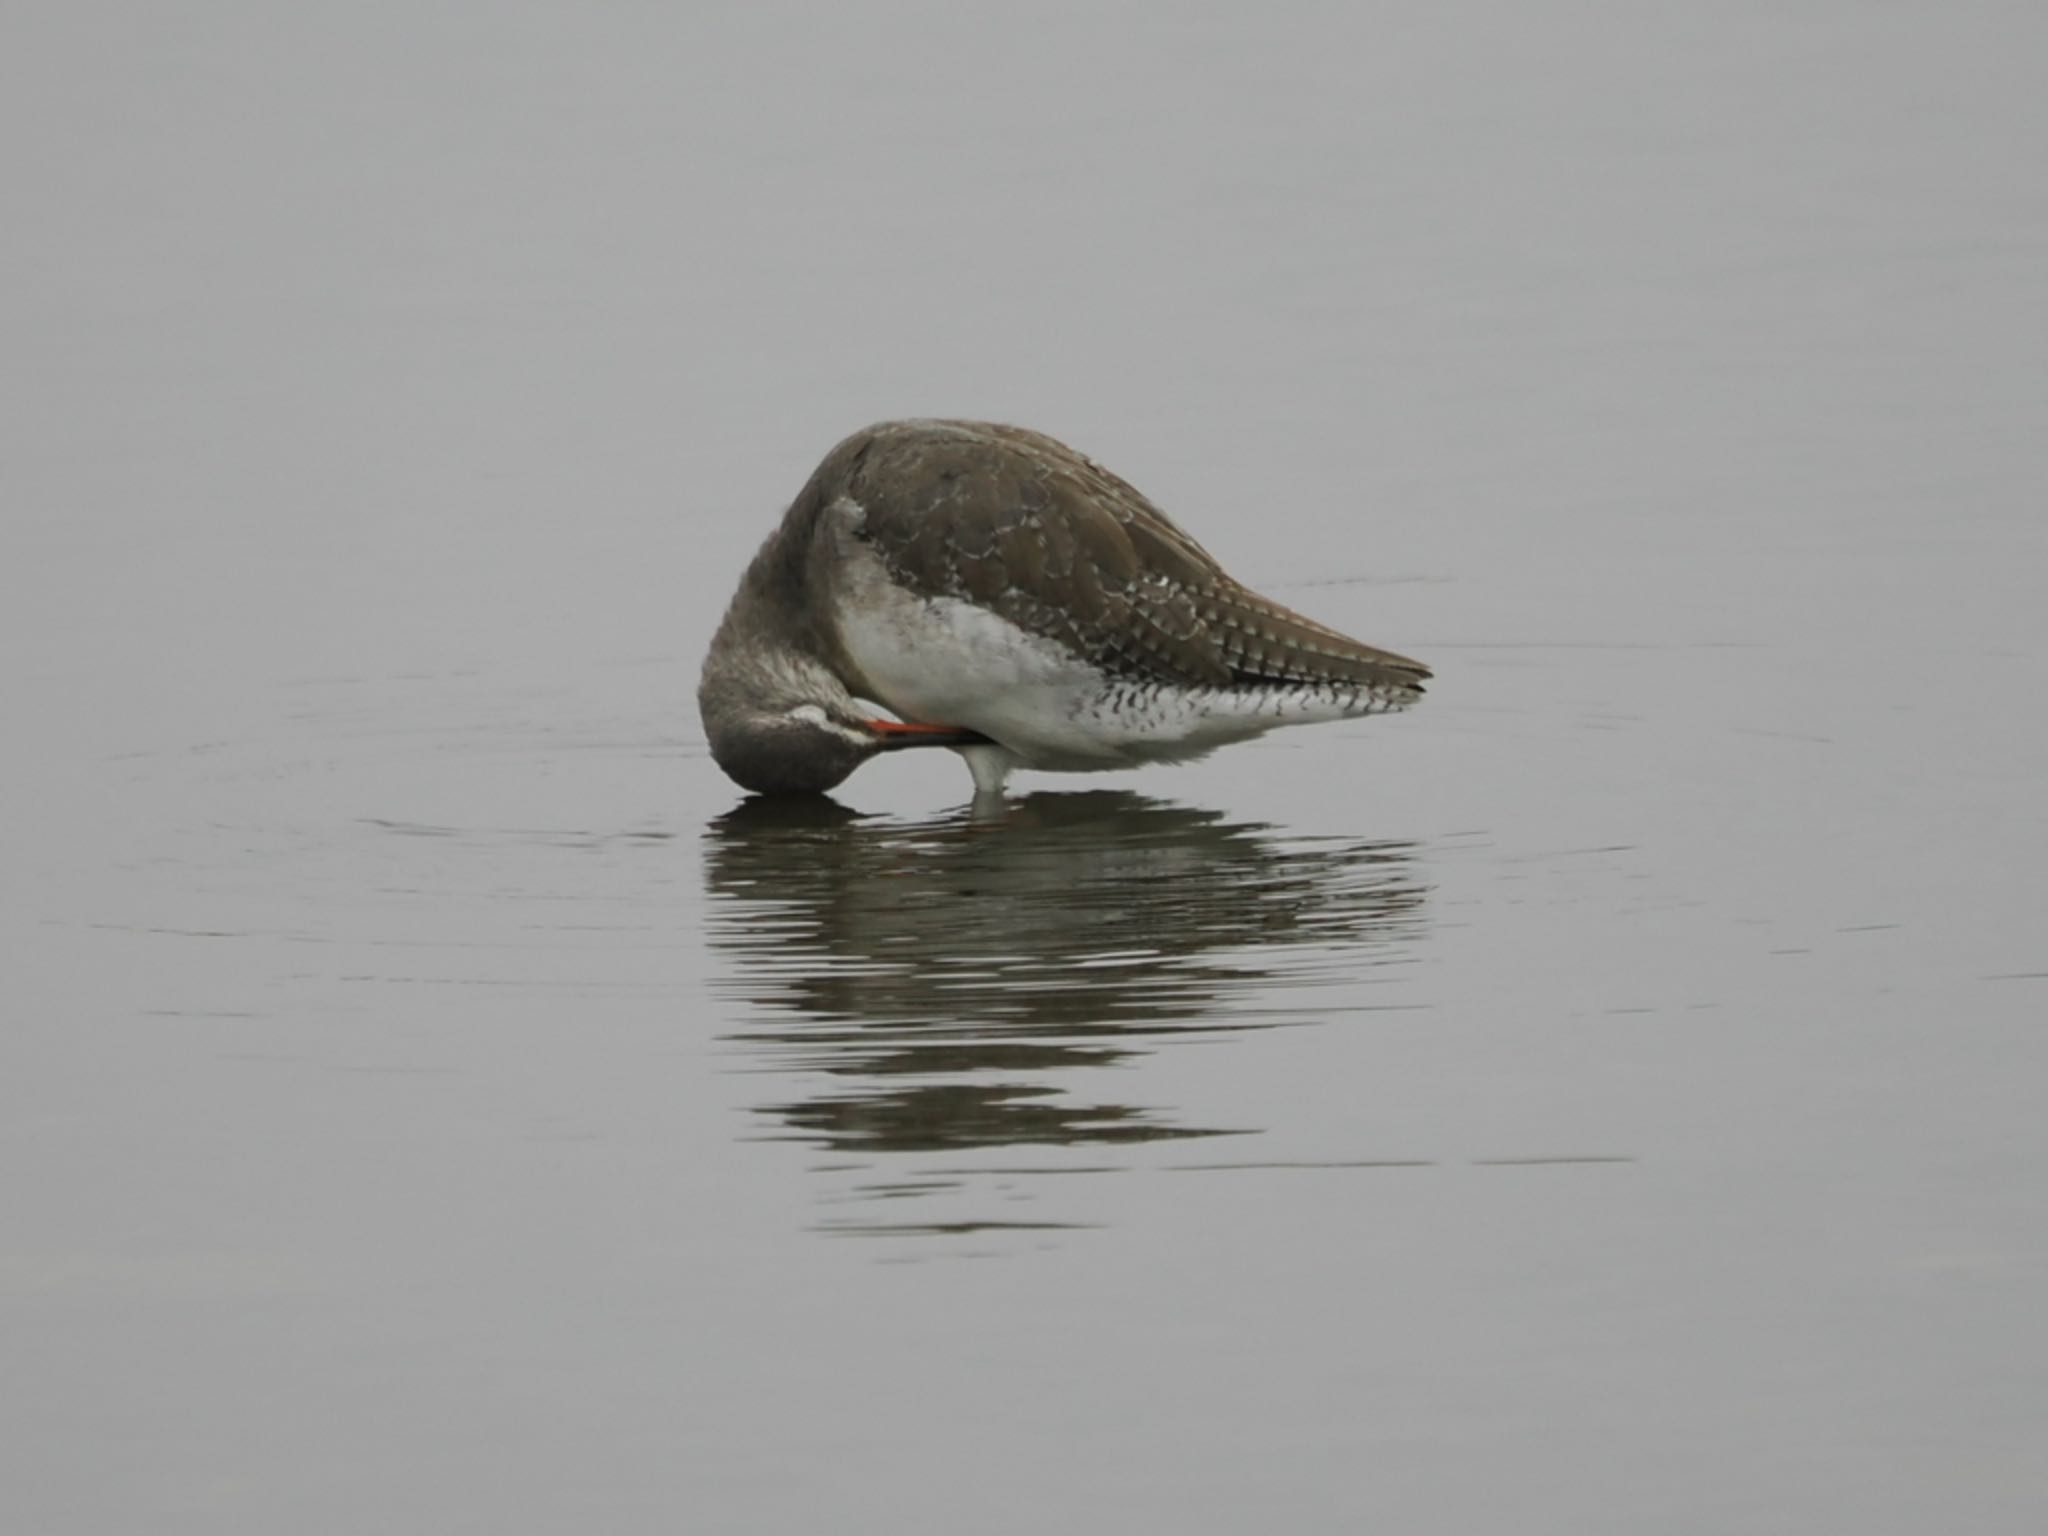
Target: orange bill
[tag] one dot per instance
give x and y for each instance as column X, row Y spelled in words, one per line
column 915, row 733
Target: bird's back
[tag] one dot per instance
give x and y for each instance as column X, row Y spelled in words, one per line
column 1020, row 525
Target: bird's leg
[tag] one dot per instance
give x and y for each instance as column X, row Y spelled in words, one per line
column 990, row 765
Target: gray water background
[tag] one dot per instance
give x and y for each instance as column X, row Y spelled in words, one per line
column 1608, row 1099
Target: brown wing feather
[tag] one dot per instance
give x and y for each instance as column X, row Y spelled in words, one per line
column 1062, row 548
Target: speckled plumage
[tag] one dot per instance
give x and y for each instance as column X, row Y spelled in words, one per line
column 911, row 534
column 1019, row 523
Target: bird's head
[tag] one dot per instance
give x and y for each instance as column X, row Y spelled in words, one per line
column 788, row 726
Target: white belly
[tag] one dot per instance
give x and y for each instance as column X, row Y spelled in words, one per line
column 950, row 662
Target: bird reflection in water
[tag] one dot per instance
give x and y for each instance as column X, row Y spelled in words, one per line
column 945, row 979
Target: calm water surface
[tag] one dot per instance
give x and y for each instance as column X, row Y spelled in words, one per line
column 943, row 982
column 1604, row 1100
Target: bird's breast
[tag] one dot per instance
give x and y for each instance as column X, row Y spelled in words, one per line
column 951, row 661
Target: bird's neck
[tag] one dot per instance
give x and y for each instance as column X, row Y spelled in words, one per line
column 769, row 654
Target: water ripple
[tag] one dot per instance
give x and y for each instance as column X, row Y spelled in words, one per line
column 937, row 985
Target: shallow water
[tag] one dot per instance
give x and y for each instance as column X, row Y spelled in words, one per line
column 942, row 982
column 1604, row 1099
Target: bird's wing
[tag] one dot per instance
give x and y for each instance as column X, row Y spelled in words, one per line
column 1062, row 548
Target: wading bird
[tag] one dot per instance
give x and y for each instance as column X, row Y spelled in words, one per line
column 1012, row 600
